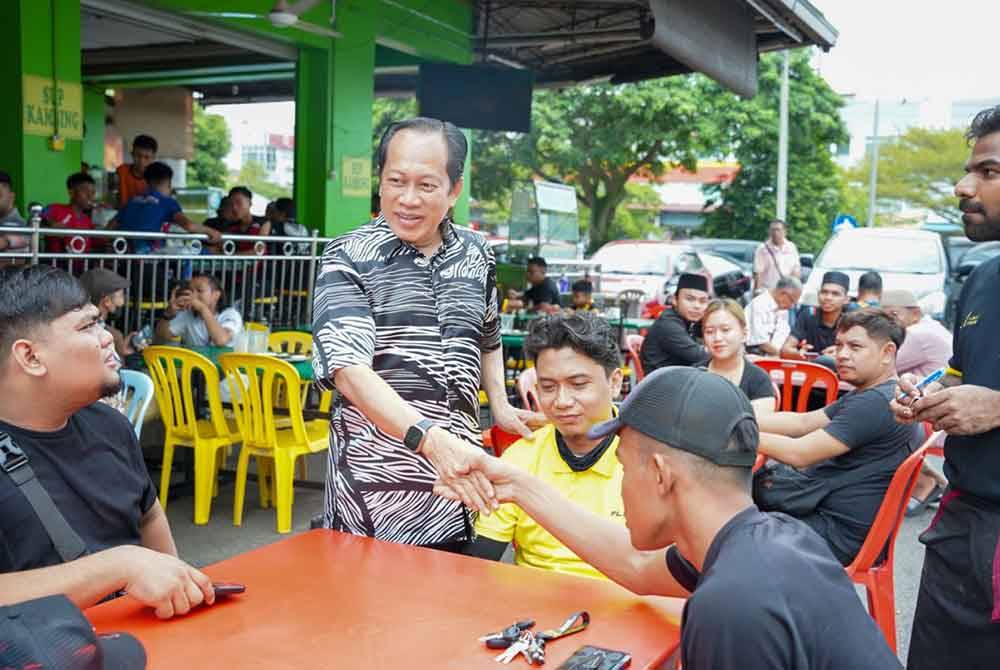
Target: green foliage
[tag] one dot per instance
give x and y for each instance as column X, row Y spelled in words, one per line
column 748, row 131
column 917, row 170
column 211, row 144
column 254, row 176
column 636, row 218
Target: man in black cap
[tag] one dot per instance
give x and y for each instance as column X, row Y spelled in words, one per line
column 51, row 632
column 673, row 338
column 815, row 330
column 107, row 293
column 766, row 591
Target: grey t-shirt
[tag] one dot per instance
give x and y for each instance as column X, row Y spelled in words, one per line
column 15, row 242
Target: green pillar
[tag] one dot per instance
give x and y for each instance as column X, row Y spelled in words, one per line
column 93, row 132
column 40, row 39
column 333, row 125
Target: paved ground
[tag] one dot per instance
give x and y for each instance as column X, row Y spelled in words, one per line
column 219, row 539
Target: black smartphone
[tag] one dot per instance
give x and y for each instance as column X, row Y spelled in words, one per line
column 596, row 658
column 227, row 588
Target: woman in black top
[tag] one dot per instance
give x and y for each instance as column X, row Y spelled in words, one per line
column 724, row 327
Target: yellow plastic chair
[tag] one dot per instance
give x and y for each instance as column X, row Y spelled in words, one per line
column 172, row 370
column 297, row 342
column 253, row 325
column 253, row 380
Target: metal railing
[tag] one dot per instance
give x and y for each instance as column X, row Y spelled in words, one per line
column 272, row 280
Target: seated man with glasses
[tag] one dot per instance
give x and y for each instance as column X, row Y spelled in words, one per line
column 577, row 360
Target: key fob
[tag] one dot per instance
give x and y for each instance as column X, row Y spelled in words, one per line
column 227, row 588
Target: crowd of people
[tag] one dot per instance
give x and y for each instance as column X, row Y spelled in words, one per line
column 146, row 204
column 659, row 494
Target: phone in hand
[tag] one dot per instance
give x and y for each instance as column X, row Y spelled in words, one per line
column 596, row 658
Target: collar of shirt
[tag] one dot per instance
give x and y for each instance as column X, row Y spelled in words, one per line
column 448, row 239
column 744, row 517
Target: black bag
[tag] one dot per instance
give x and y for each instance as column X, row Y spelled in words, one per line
column 781, row 488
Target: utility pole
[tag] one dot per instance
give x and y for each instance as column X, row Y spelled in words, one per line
column 873, row 180
column 782, row 205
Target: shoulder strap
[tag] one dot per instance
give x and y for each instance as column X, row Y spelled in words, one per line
column 777, row 266
column 15, row 464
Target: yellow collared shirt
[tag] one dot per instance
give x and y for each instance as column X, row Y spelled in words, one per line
column 598, row 489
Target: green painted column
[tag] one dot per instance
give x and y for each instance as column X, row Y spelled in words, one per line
column 40, row 39
column 334, row 93
column 93, row 131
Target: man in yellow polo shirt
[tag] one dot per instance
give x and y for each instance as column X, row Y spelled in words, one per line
column 577, row 360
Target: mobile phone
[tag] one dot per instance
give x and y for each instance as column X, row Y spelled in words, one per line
column 929, row 379
column 227, row 588
column 596, row 658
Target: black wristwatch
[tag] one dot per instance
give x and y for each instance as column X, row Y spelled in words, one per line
column 416, row 433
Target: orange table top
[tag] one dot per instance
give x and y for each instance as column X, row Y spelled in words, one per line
column 328, row 599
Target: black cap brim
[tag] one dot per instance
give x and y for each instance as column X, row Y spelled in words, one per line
column 121, row 651
column 601, row 430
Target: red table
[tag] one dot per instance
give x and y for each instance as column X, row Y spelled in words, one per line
column 325, row 599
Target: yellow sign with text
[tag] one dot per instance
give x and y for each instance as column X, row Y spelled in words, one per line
column 49, row 109
column 356, row 177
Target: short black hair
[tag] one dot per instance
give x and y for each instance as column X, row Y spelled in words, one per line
column 33, row 296
column 985, row 123
column 241, row 190
column 871, row 282
column 538, row 261
column 455, row 142
column 5, row 179
column 286, row 206
column 582, row 286
column 216, row 284
column 877, row 322
column 224, row 201
column 145, row 142
column 78, row 178
column 585, row 333
column 157, row 173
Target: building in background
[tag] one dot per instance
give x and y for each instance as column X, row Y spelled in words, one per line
column 682, row 199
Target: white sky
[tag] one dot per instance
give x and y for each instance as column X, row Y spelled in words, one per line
column 914, row 48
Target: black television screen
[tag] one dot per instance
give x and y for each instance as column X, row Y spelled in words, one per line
column 476, row 96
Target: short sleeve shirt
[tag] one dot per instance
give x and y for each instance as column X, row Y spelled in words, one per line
column 92, row 468
column 193, row 331
column 972, row 462
column 927, row 348
column 129, row 186
column 63, row 216
column 771, row 262
column 755, row 382
column 546, row 292
column 235, row 228
column 809, row 327
column 863, row 422
column 147, row 213
column 771, row 595
column 422, row 324
column 767, row 324
column 597, row 489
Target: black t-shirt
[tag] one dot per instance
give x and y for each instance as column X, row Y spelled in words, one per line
column 671, row 340
column 809, row 328
column 755, row 382
column 771, row 595
column 218, row 223
column 863, row 421
column 93, row 470
column 546, row 292
column 972, row 462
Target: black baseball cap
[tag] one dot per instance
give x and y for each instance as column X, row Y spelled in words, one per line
column 51, row 632
column 686, row 408
column 100, row 282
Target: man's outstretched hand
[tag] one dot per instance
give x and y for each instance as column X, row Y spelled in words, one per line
column 457, row 465
column 502, row 476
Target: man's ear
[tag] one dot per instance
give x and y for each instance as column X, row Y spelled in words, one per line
column 888, row 353
column 616, row 382
column 664, row 473
column 456, row 190
column 24, row 355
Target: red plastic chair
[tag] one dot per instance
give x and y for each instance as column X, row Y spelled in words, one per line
column 814, row 374
column 527, row 388
column 633, row 345
column 867, row 569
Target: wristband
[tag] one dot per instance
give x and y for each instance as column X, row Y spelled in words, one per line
column 952, row 372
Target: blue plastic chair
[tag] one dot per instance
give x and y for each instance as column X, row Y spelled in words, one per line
column 137, row 393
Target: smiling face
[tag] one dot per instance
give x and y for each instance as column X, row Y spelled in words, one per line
column 415, row 193
column 832, row 298
column 724, row 334
column 574, row 391
column 979, row 190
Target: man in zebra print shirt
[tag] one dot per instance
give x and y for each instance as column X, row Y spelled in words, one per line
column 406, row 327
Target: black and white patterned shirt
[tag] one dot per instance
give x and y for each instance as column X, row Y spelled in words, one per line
column 422, row 325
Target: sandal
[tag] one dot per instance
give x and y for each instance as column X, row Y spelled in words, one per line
column 916, row 506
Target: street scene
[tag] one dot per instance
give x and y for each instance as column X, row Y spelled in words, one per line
column 596, row 334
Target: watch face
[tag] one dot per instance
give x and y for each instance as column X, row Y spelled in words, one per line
column 414, row 436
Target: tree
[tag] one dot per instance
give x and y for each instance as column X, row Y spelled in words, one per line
column 748, row 131
column 635, row 218
column 211, row 144
column 254, row 176
column 917, row 169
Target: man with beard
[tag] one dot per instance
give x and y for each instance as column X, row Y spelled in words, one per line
column 957, row 620
column 80, row 514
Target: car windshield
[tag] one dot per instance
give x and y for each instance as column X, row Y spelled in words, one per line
column 634, row 259
column 718, row 265
column 905, row 255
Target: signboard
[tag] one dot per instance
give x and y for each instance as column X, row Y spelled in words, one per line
column 45, row 104
column 356, row 177
column 844, row 221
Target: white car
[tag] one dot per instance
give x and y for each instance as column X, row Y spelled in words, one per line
column 645, row 266
column 908, row 259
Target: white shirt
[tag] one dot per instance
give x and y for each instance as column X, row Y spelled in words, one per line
column 766, row 323
column 771, row 263
column 193, row 332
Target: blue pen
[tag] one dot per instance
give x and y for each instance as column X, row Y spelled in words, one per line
column 929, row 379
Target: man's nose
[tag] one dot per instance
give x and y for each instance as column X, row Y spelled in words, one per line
column 966, row 187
